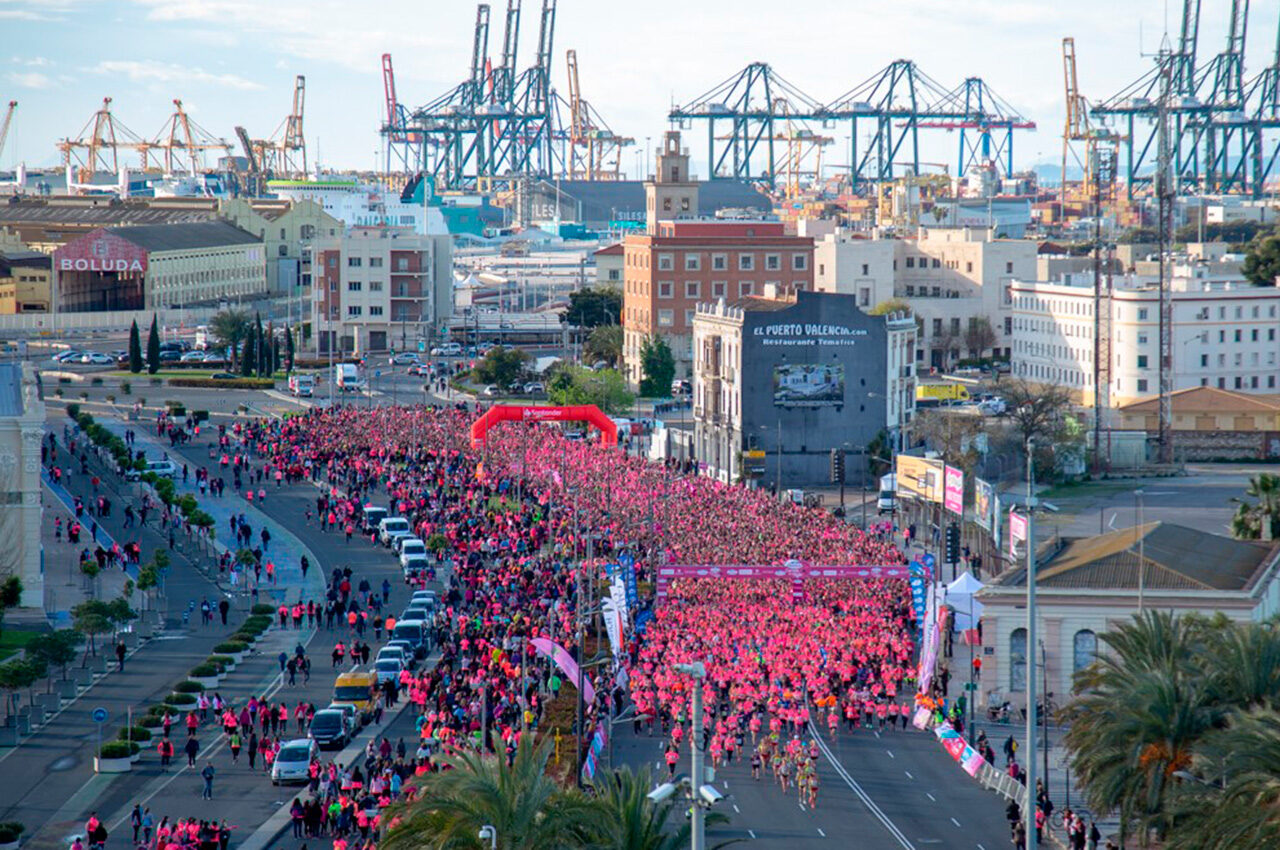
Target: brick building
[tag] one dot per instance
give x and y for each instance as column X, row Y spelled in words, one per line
column 681, row 260
column 378, row 288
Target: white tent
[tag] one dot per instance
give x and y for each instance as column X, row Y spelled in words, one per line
column 959, row 595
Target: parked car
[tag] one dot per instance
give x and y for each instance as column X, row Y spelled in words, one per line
column 492, row 390
column 404, row 358
column 293, row 761
column 421, row 369
column 331, row 728
column 534, row 388
column 388, row 669
column 414, row 566
column 97, row 358
column 69, row 356
column 162, row 468
column 390, row 527
column 225, row 376
column 448, row 349
column 407, row 650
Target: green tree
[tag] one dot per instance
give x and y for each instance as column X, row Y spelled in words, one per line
column 528, row 810
column 10, row 596
column 590, row 308
column 288, row 350
column 606, row 388
column 14, row 676
column 135, row 349
column 55, row 649
column 979, row 336
column 92, row 617
column 1262, row 262
column 629, row 820
column 1138, row 713
column 248, row 357
column 1251, row 517
column 229, row 328
column 153, row 347
column 261, row 356
column 657, row 367
column 604, row 345
column 502, row 366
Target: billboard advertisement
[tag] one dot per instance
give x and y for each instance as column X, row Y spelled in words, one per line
column 808, row 384
column 984, row 499
column 953, row 490
column 920, row 477
column 1017, row 532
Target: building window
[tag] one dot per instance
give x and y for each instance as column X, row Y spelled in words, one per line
column 936, row 263
column 746, row 262
column 614, row 274
column 866, row 270
column 354, row 262
column 375, row 262
column 1142, row 361
column 354, row 310
column 1204, row 360
column 664, row 288
column 718, row 288
column 692, row 289
column 1142, row 314
column 772, row 262
column 666, row 318
column 864, row 296
column 799, row 262
column 692, row 262
column 666, row 262
column 745, row 288
column 354, row 286
column 911, row 262
column 1018, row 660
column 375, row 311
column 968, row 267
column 937, row 327
column 688, row 318
column 402, row 264
column 1084, row 649
column 1142, row 385
column 1008, row 268
column 719, row 262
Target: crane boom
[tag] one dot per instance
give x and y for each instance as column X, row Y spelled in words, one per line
column 4, row 125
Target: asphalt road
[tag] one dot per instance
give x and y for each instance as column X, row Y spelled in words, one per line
column 895, row 791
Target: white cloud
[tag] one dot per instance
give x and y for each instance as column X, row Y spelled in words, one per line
column 162, row 72
column 29, row 80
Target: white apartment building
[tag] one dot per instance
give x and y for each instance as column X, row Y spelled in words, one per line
column 951, row 277
column 1224, row 334
column 380, row 288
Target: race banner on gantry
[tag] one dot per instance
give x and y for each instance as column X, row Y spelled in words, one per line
column 797, row 572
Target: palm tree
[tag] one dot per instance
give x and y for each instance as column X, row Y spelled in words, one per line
column 1237, row 802
column 631, row 821
column 1138, row 712
column 1244, row 662
column 1252, row 517
column 527, row 808
column 230, row 328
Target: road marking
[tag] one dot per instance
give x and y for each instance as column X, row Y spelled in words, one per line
column 875, row 810
column 908, row 773
column 980, row 847
column 736, row 810
column 751, row 833
column 930, row 796
column 877, row 734
column 956, row 822
column 820, row 832
column 801, row 805
column 891, row 755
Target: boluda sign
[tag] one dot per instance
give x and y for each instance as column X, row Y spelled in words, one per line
column 100, row 251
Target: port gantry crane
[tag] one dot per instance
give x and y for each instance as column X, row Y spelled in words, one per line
column 898, row 102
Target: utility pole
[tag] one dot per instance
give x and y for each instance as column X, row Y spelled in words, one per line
column 1029, row 809
column 697, row 672
column 1164, row 196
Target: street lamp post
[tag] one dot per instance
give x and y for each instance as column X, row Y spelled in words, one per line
column 1142, row 547
column 1029, row 809
column 696, row 671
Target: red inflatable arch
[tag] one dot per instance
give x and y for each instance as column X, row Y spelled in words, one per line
column 588, row 413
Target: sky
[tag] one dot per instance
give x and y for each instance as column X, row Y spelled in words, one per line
column 233, row 62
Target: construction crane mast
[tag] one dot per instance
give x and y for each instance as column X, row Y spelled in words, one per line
column 1078, row 128
column 4, row 125
column 96, row 150
column 183, row 142
column 285, row 153
column 401, row 145
column 594, row 152
column 1224, row 128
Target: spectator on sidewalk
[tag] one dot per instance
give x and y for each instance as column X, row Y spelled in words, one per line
column 120, row 653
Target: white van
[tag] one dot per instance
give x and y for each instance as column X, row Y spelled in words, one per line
column 392, row 526
column 302, row 386
column 887, row 501
column 347, row 377
column 410, row 547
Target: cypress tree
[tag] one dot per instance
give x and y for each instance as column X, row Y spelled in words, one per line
column 262, row 356
column 153, row 347
column 135, row 349
column 288, row 350
column 247, row 361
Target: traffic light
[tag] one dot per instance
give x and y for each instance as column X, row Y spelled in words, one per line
column 953, row 544
column 837, row 466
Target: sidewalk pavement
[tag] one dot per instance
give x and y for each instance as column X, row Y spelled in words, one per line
column 285, row 549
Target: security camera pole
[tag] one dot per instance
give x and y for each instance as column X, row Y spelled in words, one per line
column 697, row 672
